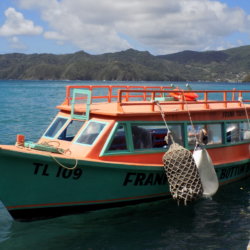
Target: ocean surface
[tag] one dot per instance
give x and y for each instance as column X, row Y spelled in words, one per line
column 223, row 222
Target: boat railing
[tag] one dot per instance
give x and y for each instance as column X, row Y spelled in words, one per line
column 109, row 93
column 205, row 97
column 125, row 95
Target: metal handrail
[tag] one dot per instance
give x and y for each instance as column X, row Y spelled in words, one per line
column 110, row 89
column 147, row 95
column 182, row 100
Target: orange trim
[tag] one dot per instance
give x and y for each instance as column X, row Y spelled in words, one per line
column 86, row 202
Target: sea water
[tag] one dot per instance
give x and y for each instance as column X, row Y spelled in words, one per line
column 223, row 222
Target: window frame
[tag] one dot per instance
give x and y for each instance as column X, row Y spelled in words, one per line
column 215, row 145
column 184, row 125
column 68, row 123
column 240, row 141
column 81, row 131
column 129, row 138
column 68, row 119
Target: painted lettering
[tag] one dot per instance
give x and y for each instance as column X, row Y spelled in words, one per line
column 77, row 173
column 142, row 179
column 240, row 112
column 228, row 113
column 38, row 165
column 66, row 173
column 139, row 179
column 149, row 180
column 160, row 179
column 226, row 173
column 128, row 178
column 43, row 170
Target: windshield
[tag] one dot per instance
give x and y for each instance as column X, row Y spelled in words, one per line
column 71, row 130
column 90, row 133
column 55, row 127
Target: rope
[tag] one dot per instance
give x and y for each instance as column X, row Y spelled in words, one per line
column 181, row 171
column 63, row 166
column 59, row 150
column 169, row 133
column 190, row 119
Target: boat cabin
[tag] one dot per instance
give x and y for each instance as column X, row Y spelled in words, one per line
column 127, row 122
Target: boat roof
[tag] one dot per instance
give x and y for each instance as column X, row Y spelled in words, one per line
column 121, row 101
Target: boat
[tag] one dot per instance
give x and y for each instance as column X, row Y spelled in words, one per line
column 105, row 148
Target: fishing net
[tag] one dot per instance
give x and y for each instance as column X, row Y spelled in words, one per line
column 182, row 174
column 181, row 170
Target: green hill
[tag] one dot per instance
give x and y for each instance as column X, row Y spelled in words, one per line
column 227, row 65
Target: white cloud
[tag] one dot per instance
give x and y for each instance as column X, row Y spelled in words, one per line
column 16, row 24
column 54, row 35
column 163, row 26
column 15, row 43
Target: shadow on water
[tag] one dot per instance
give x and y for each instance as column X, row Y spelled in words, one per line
column 218, row 223
column 6, row 222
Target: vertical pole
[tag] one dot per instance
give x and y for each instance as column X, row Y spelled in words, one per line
column 225, row 99
column 110, row 93
column 240, row 99
column 205, row 100
column 152, row 100
column 119, row 101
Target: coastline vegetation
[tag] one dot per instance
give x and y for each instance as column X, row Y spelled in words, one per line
column 231, row 65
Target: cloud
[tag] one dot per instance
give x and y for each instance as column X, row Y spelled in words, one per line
column 16, row 24
column 15, row 43
column 161, row 26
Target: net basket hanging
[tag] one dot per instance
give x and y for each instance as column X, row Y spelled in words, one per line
column 182, row 174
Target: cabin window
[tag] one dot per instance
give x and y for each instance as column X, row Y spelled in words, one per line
column 245, row 130
column 71, row 130
column 56, row 125
column 233, row 132
column 119, row 141
column 91, row 132
column 213, row 133
column 152, row 136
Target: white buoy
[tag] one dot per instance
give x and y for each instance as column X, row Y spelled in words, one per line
column 209, row 179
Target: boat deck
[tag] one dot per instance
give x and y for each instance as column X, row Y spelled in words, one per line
column 141, row 101
column 146, row 108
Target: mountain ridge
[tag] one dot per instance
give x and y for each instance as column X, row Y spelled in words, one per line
column 129, row 65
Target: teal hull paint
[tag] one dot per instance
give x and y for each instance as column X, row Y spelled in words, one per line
column 31, row 181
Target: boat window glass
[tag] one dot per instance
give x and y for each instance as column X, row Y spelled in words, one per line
column 152, row 136
column 212, row 131
column 245, row 131
column 71, row 130
column 90, row 133
column 55, row 126
column 233, row 132
column 119, row 141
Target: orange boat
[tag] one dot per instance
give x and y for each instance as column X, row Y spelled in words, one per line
column 105, row 148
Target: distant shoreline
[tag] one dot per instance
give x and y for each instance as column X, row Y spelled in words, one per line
column 231, row 65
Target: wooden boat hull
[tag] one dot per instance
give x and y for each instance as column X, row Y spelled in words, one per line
column 35, row 185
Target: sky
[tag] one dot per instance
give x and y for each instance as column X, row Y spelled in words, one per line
column 103, row 26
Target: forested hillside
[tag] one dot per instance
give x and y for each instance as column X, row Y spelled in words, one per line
column 227, row 65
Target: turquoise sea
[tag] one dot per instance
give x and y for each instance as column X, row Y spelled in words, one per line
column 223, row 222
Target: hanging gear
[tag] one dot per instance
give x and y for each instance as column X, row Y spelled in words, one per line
column 181, row 171
column 209, row 179
column 182, row 174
